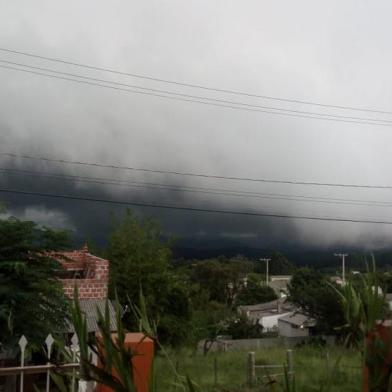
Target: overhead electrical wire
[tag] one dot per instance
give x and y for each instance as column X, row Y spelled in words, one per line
column 196, row 98
column 202, row 190
column 192, row 209
column 208, row 103
column 192, row 174
column 192, row 85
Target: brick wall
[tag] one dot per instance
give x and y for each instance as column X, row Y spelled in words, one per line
column 94, row 285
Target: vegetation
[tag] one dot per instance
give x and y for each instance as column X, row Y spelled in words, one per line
column 188, row 302
column 314, row 366
column 31, row 299
column 226, row 372
column 221, row 278
column 140, row 260
column 279, row 265
column 318, row 297
column 364, row 307
column 255, row 292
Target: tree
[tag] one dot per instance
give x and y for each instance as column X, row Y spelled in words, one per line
column 140, row 260
column 241, row 327
column 254, row 292
column 279, row 265
column 221, row 279
column 32, row 301
column 315, row 295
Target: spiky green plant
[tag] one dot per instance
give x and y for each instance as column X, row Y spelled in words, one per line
column 365, row 309
column 114, row 357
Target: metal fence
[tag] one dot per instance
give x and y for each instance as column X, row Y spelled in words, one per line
column 16, row 374
column 269, row 370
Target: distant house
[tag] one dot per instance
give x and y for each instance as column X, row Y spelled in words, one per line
column 295, row 324
column 90, row 274
column 268, row 313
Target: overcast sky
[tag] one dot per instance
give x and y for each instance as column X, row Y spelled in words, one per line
column 335, row 52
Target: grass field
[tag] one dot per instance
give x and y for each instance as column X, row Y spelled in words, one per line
column 329, row 370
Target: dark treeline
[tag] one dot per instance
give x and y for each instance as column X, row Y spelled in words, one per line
column 188, row 299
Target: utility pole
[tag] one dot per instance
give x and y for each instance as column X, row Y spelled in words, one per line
column 266, row 269
column 343, row 256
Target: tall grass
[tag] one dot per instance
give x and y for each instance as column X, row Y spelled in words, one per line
column 314, row 370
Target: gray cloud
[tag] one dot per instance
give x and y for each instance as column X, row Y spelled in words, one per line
column 334, row 52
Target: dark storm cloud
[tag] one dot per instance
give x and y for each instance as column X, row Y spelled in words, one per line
column 88, row 219
column 333, row 52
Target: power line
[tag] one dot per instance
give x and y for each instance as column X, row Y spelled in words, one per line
column 192, row 209
column 213, row 191
column 215, row 104
column 200, row 175
column 192, row 85
column 372, row 121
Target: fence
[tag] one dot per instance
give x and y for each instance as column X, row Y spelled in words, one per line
column 286, row 369
column 23, row 369
column 256, row 344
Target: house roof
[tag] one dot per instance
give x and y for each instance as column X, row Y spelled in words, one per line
column 266, row 306
column 279, row 285
column 272, row 308
column 89, row 309
column 298, row 319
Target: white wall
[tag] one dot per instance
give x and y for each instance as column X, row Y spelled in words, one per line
column 271, row 322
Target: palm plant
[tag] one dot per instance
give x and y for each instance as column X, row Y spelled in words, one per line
column 365, row 309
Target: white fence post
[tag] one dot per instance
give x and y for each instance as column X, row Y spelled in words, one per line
column 22, row 345
column 251, row 368
column 74, row 348
column 49, row 343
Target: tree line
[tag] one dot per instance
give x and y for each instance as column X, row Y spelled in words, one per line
column 189, row 300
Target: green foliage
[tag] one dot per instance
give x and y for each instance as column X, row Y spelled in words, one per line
column 363, row 303
column 31, row 299
column 140, row 260
column 364, row 307
column 315, row 370
column 209, row 322
column 279, row 265
column 241, row 327
column 138, row 257
column 317, row 297
column 221, row 279
column 114, row 356
column 254, row 292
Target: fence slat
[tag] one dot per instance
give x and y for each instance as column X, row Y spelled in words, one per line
column 36, row 369
column 75, row 349
column 22, row 344
column 49, row 343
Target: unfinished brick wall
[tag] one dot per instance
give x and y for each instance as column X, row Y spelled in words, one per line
column 91, row 274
